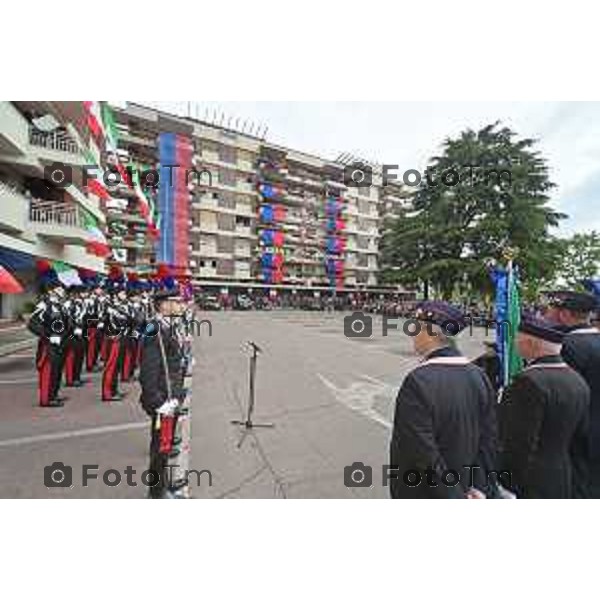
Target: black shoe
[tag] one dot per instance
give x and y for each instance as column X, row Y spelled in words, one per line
column 79, row 383
column 61, row 398
column 117, row 398
column 53, row 404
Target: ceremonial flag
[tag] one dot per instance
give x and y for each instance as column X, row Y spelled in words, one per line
column 66, row 274
column 508, row 317
column 97, row 244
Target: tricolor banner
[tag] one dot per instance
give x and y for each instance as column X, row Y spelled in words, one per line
column 175, row 157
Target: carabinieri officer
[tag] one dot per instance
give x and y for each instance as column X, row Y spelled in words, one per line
column 543, row 418
column 571, row 312
column 444, row 434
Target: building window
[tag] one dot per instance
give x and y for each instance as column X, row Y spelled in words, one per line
column 227, row 178
column 228, row 154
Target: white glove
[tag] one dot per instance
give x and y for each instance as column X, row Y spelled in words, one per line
column 168, row 408
column 55, row 339
column 100, row 325
column 78, row 331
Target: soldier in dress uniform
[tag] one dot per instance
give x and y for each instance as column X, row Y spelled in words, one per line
column 543, row 418
column 116, row 320
column 444, row 422
column 92, row 330
column 75, row 343
column 48, row 322
column 161, row 380
column 571, row 312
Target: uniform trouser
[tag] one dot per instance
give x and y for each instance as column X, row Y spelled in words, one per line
column 110, row 376
column 92, row 348
column 158, row 461
column 49, row 365
column 57, row 372
column 127, row 357
column 104, row 346
column 74, row 355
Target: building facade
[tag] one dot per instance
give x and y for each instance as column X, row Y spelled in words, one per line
column 260, row 215
column 40, row 219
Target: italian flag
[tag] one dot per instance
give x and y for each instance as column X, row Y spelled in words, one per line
column 66, row 274
column 94, row 118
column 97, row 244
column 95, row 184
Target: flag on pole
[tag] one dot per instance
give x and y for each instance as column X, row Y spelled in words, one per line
column 508, row 317
column 66, row 274
column 98, row 244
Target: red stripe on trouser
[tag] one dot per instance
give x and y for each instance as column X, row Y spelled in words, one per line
column 44, row 372
column 91, row 349
column 69, row 364
column 109, row 378
column 127, row 358
column 167, row 431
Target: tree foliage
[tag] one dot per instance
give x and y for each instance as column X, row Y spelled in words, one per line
column 579, row 259
column 499, row 200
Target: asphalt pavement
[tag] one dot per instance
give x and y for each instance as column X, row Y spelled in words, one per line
column 330, row 400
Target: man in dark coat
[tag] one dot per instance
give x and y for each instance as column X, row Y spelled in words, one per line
column 581, row 351
column 444, row 437
column 161, row 379
column 543, row 418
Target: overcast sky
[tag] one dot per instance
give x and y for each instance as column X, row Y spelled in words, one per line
column 408, row 133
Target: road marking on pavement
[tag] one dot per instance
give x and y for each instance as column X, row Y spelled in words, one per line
column 51, row 437
column 360, row 396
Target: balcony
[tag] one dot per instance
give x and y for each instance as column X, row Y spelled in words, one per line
column 55, row 147
column 58, row 223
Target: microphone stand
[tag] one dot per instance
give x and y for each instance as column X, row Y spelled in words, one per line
column 248, row 424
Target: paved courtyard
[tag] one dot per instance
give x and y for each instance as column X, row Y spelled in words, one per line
column 329, row 397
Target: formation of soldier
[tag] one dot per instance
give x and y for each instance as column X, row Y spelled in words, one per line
column 456, row 435
column 126, row 332
column 88, row 329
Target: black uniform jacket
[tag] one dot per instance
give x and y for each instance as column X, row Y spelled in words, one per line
column 581, row 351
column 543, row 421
column 152, row 372
column 445, row 420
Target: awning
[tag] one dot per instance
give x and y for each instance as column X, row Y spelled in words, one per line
column 15, row 260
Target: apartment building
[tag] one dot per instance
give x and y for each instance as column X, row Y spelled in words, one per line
column 39, row 219
column 260, row 215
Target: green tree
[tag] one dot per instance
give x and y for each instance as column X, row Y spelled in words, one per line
column 487, row 191
column 580, row 258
